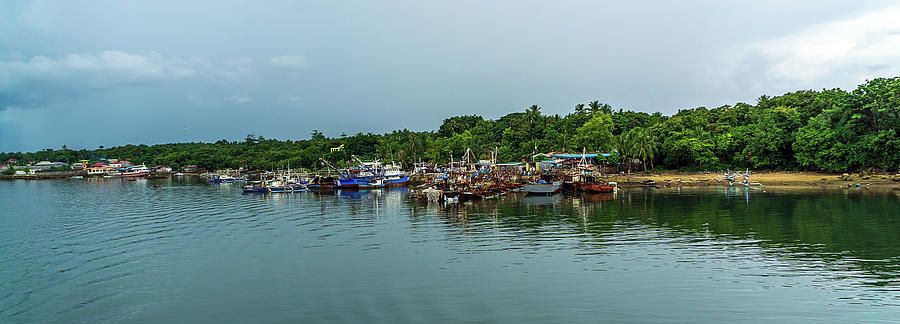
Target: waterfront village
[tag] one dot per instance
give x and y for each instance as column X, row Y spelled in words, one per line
column 468, row 178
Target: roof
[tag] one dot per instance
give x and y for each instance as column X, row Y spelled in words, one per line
column 578, row 156
column 98, row 164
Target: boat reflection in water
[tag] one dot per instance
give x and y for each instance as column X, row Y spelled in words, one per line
column 191, row 252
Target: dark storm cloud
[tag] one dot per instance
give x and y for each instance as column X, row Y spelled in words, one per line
column 283, row 68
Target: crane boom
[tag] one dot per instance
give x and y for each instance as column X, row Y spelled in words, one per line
column 364, row 165
column 331, row 166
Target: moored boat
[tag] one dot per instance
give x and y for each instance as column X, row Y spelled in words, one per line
column 598, row 187
column 323, row 183
column 542, row 188
column 136, row 171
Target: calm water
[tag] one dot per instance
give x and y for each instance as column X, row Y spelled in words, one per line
column 95, row 251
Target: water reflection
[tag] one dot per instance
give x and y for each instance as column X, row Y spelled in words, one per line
column 112, row 250
column 844, row 235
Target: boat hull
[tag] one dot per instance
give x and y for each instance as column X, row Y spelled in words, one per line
column 135, row 174
column 400, row 182
column 542, row 189
column 596, row 187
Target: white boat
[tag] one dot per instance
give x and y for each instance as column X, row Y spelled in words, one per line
column 542, row 188
column 136, row 171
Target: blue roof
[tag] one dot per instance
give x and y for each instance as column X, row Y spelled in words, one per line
column 578, row 156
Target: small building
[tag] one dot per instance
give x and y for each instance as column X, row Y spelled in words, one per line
column 162, row 168
column 101, row 170
column 81, row 165
column 513, row 166
column 119, row 164
column 41, row 166
column 192, row 168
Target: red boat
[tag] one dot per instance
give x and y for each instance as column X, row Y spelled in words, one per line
column 588, row 183
column 597, row 187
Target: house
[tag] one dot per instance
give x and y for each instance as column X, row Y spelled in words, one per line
column 101, row 170
column 337, row 149
column 81, row 165
column 192, row 168
column 42, row 166
column 162, row 168
column 4, row 167
column 119, row 164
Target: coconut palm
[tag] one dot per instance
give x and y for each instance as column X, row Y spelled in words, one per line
column 579, row 108
column 623, row 146
column 594, row 106
column 532, row 114
column 645, row 146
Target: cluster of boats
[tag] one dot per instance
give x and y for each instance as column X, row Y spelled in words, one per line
column 366, row 175
column 472, row 184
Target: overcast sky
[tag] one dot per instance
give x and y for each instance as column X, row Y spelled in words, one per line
column 92, row 73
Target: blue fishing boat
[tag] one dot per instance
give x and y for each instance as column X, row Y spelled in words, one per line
column 323, row 183
column 257, row 187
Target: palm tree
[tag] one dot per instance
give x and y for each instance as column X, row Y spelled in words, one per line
column 594, row 106
column 645, row 146
column 606, row 108
column 413, row 144
column 532, row 114
column 623, row 146
column 579, row 108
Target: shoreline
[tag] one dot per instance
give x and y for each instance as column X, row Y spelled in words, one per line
column 768, row 179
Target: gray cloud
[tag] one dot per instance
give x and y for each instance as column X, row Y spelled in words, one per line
column 283, row 68
column 34, row 82
column 289, row 61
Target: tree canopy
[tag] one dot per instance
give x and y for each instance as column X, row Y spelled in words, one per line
column 829, row 130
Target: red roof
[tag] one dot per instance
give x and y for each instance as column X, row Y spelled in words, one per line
column 4, row 165
column 98, row 164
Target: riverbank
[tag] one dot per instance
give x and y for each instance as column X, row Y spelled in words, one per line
column 766, row 178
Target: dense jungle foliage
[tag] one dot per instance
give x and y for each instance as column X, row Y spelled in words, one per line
column 829, row 130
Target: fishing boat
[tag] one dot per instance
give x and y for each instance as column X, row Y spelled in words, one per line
column 598, row 187
column 281, row 185
column 345, row 181
column 544, row 186
column 374, row 184
column 136, row 171
column 323, row 183
column 591, row 184
column 348, row 183
column 225, row 178
column 394, row 177
column 256, row 187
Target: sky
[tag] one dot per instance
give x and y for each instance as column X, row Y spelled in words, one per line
column 91, row 73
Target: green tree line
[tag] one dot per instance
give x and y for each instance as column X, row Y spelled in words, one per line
column 829, row 130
